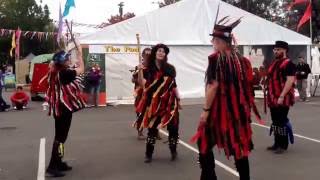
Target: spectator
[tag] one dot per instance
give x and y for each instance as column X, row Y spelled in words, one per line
column 94, row 81
column 19, row 99
column 303, row 70
column 3, row 104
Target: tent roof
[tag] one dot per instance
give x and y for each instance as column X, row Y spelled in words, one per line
column 189, row 22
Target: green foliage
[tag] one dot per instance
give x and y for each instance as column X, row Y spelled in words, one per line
column 316, row 21
column 28, row 16
column 167, row 2
column 275, row 11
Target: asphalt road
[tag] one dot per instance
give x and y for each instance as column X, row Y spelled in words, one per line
column 102, row 145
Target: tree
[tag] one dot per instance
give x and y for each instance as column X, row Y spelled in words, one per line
column 316, row 21
column 166, row 2
column 274, row 11
column 28, row 16
column 117, row 18
column 266, row 9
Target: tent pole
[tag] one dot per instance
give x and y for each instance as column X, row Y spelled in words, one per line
column 311, row 33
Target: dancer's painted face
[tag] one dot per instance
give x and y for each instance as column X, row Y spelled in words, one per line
column 219, row 44
column 160, row 54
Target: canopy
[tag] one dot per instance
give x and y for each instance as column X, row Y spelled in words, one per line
column 189, row 22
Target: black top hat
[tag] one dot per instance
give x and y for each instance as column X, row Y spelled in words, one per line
column 281, row 44
column 223, row 31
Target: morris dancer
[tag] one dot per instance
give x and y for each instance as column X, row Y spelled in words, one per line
column 63, row 96
column 159, row 106
column 226, row 118
column 280, row 96
column 138, row 90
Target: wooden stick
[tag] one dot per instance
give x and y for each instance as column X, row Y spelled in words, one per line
column 72, row 37
column 139, row 48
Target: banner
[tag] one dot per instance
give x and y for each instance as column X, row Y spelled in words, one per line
column 110, row 49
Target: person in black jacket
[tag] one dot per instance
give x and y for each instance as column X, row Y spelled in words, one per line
column 303, row 70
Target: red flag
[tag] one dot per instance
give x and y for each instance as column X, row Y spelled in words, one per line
column 306, row 17
column 296, row 2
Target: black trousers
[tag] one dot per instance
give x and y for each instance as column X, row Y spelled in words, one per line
column 62, row 127
column 207, row 162
column 279, row 116
column 173, row 130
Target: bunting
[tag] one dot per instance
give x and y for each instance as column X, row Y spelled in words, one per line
column 28, row 34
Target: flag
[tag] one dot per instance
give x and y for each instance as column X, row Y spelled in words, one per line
column 296, row 2
column 306, row 17
column 69, row 4
column 60, row 24
column 17, row 50
column 13, row 43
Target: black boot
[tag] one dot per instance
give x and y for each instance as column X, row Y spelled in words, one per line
column 207, row 165
column 149, row 149
column 243, row 168
column 173, row 142
column 272, row 148
column 63, row 166
column 56, row 159
column 55, row 172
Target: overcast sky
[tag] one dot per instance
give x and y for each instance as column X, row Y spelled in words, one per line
column 97, row 11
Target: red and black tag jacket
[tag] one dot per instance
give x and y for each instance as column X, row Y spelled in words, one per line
column 159, row 99
column 230, row 116
column 278, row 72
column 64, row 90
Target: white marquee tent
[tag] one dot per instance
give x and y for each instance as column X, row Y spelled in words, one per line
column 184, row 26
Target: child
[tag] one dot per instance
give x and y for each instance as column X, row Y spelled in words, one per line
column 19, row 99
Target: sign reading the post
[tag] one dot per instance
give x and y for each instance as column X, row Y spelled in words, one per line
column 110, row 49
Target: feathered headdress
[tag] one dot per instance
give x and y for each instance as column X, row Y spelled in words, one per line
column 223, row 30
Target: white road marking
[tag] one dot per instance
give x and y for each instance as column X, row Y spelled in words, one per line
column 42, row 159
column 296, row 135
column 218, row 163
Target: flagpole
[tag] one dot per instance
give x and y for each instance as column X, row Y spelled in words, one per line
column 71, row 35
column 311, row 33
column 310, row 51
